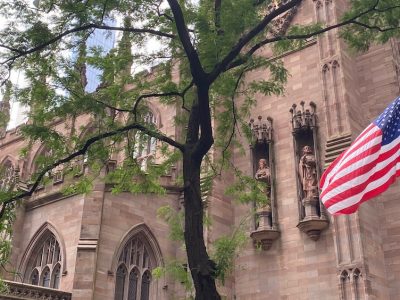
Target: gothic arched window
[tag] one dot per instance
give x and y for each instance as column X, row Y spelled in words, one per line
column 34, row 279
column 136, row 259
column 44, row 264
column 120, row 283
column 144, row 145
column 46, row 277
column 56, row 276
column 7, row 176
column 42, row 160
column 133, row 284
column 146, row 279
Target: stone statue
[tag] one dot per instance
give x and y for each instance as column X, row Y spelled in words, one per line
column 263, row 173
column 308, row 173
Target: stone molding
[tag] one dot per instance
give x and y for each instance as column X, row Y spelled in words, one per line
column 24, row 291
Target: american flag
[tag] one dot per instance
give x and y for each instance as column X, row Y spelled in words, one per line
column 367, row 168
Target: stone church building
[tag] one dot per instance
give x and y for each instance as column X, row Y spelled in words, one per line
column 103, row 246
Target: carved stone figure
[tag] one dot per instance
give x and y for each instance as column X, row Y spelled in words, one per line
column 308, row 173
column 263, row 173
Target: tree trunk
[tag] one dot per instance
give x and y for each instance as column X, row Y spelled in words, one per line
column 201, row 267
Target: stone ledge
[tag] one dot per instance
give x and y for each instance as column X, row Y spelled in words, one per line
column 22, row 291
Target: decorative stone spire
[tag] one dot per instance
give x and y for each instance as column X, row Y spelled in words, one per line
column 262, row 132
column 81, row 64
column 125, row 60
column 303, row 119
column 281, row 24
column 5, row 109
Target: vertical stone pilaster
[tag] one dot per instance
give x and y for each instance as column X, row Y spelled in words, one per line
column 86, row 259
column 343, row 117
column 395, row 45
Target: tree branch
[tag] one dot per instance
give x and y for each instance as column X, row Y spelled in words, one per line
column 244, row 40
column 83, row 150
column 141, row 97
column 233, row 112
column 144, row 96
column 375, row 27
column 352, row 20
column 11, row 48
column 160, row 14
column 195, row 65
column 206, row 138
column 40, row 47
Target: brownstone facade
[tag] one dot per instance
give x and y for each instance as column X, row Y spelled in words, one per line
column 348, row 257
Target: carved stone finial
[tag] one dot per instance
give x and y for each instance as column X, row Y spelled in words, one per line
column 262, row 132
column 303, row 119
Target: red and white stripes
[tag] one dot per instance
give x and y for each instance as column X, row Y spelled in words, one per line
column 363, row 171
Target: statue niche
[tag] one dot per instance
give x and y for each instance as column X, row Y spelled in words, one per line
column 312, row 217
column 265, row 229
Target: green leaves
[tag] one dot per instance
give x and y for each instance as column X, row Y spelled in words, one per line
column 379, row 21
column 6, row 231
column 248, row 190
column 225, row 250
column 175, row 221
column 178, row 271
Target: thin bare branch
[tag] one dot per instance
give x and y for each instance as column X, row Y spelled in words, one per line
column 239, row 79
column 150, row 95
column 144, row 96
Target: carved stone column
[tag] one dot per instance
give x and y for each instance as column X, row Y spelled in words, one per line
column 312, row 217
column 265, row 224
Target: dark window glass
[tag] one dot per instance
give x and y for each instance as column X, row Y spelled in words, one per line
column 120, row 283
column 145, row 286
column 46, row 278
column 133, row 285
column 56, row 277
column 35, row 277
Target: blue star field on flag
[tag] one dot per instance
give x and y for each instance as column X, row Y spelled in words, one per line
column 389, row 122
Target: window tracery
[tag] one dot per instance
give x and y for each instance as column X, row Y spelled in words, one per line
column 133, row 275
column 7, row 178
column 44, row 264
column 144, row 145
column 41, row 160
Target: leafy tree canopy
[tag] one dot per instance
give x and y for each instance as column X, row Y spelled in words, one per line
column 208, row 45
